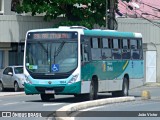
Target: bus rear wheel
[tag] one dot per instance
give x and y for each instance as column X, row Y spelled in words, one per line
column 46, row 97
column 124, row 91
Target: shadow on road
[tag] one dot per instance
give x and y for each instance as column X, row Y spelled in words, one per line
column 11, row 90
column 70, row 99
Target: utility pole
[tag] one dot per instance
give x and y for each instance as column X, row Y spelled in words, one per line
column 106, row 14
column 111, row 14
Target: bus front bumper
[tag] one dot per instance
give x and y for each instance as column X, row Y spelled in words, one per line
column 31, row 89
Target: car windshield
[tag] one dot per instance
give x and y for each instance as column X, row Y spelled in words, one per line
column 51, row 57
column 18, row 70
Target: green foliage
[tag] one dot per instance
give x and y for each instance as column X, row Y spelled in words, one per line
column 93, row 13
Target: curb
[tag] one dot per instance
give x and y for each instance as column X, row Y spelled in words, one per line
column 65, row 112
column 152, row 84
column 10, row 93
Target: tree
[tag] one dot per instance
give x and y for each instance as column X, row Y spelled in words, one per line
column 78, row 12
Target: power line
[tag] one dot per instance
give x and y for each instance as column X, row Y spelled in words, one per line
column 154, row 23
column 150, row 14
column 131, row 8
column 150, row 6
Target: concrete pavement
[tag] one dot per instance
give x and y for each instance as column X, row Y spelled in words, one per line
column 66, row 111
column 11, row 93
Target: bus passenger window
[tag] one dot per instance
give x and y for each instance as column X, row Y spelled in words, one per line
column 133, row 44
column 139, row 44
column 95, row 43
column 116, row 49
column 95, row 49
column 140, row 48
column 106, row 51
column 135, row 53
column 105, row 43
column 125, row 49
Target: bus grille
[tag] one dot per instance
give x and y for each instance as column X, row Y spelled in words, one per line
column 56, row 89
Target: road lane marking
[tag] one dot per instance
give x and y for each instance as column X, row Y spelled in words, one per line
column 53, row 104
column 90, row 109
column 11, row 103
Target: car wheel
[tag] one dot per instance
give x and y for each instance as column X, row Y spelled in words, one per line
column 16, row 87
column 1, row 87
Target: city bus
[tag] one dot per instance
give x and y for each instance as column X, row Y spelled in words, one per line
column 74, row 60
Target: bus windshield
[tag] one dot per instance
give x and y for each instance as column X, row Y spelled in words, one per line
column 51, row 56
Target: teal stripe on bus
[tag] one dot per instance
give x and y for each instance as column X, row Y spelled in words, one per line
column 108, row 33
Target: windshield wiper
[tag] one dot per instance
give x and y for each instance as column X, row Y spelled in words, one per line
column 43, row 47
column 56, row 52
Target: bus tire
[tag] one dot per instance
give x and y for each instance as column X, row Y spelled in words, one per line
column 124, row 91
column 46, row 97
column 93, row 91
column 125, row 88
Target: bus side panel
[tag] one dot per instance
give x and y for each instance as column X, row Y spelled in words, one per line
column 135, row 71
column 137, row 74
column 111, row 73
column 108, row 73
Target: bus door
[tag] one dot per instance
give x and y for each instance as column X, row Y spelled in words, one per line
column 85, row 68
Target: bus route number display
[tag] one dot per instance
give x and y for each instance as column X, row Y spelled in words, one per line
column 52, row 35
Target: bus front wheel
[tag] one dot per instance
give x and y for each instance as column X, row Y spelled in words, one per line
column 46, row 97
column 93, row 91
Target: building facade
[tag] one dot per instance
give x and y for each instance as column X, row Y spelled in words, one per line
column 13, row 28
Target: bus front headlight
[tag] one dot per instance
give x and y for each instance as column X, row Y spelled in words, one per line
column 27, row 80
column 73, row 80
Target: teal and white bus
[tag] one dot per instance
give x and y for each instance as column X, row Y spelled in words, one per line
column 81, row 62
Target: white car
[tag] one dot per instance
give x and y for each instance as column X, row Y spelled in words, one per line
column 12, row 77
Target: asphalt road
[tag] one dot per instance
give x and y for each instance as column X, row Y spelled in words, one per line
column 33, row 103
column 23, row 103
column 138, row 109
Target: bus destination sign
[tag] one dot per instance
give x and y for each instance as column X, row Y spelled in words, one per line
column 51, row 35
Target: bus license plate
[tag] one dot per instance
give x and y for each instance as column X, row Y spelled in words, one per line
column 49, row 91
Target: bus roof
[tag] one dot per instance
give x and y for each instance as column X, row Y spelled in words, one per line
column 94, row 32
column 112, row 33
column 61, row 28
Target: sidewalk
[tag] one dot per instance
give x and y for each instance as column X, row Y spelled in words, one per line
column 152, row 84
column 11, row 93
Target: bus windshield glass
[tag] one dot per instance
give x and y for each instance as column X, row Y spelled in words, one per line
column 57, row 55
